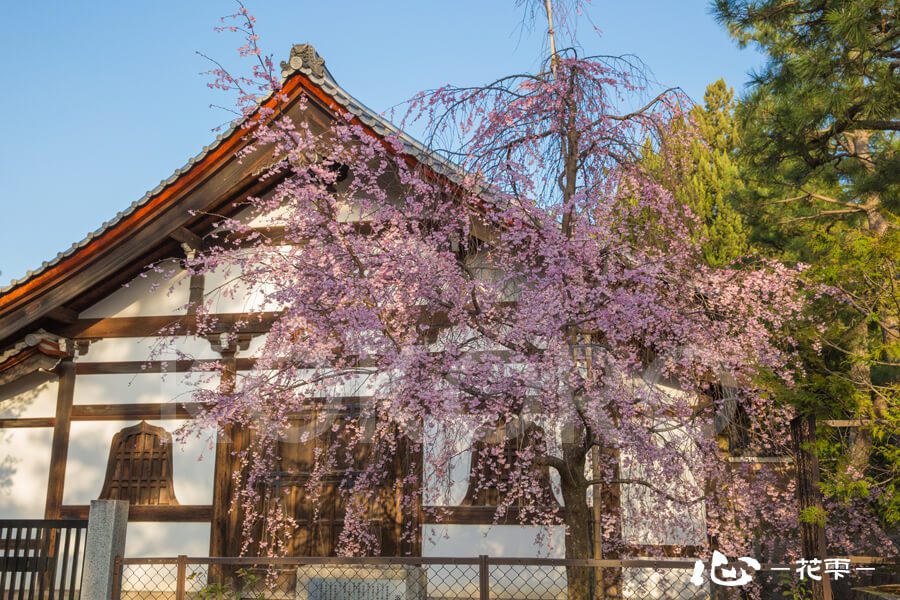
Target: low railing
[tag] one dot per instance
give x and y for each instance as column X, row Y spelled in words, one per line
column 477, row 578
column 41, row 558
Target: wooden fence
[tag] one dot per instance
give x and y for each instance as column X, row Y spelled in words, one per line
column 41, row 558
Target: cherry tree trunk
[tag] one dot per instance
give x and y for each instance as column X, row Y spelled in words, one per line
column 579, row 521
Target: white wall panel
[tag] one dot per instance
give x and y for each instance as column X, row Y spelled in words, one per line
column 149, row 294
column 140, row 388
column 449, row 488
column 148, row 348
column 350, row 386
column 643, row 509
column 24, row 469
column 31, row 396
column 166, row 539
column 511, row 541
column 255, row 347
column 269, row 219
column 228, row 291
column 514, row 541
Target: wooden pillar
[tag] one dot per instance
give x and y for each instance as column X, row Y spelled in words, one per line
column 812, row 535
column 597, row 530
column 59, row 451
column 610, row 497
column 222, row 478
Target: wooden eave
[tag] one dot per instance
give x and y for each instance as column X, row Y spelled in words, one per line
column 41, row 357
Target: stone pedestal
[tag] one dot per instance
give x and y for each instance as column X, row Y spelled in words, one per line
column 107, row 525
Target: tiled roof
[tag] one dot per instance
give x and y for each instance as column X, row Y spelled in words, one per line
column 316, row 72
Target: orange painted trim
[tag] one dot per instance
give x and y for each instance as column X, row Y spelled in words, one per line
column 46, row 347
column 18, row 359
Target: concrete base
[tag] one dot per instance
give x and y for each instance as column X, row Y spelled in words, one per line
column 107, row 526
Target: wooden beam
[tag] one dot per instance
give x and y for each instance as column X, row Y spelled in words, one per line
column 184, row 235
column 28, row 422
column 138, row 366
column 63, row 314
column 847, row 422
column 470, row 515
column 115, row 327
column 197, row 291
column 222, row 477
column 156, row 366
column 25, row 363
column 245, row 322
column 188, row 513
column 59, row 450
column 155, row 411
column 150, row 411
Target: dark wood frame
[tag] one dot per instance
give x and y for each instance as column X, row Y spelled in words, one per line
column 188, row 513
column 59, row 451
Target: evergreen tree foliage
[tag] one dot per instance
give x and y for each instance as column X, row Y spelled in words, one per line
column 827, row 103
column 701, row 172
column 819, row 147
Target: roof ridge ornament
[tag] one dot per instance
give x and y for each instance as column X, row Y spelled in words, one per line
column 304, row 56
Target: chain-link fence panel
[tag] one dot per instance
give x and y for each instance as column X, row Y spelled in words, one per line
column 461, row 579
column 151, row 581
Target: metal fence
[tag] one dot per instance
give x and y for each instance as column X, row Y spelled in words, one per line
column 41, row 558
column 434, row 578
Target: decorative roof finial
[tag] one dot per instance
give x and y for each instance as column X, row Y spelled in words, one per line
column 304, row 56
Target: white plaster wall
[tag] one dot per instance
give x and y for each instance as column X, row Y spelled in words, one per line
column 166, row 540
column 24, row 470
column 251, row 217
column 446, row 489
column 510, row 541
column 148, row 348
column 350, row 386
column 347, row 213
column 89, row 444
column 255, row 347
column 642, row 511
column 140, row 388
column 31, row 396
column 449, row 488
column 227, row 290
column 149, row 294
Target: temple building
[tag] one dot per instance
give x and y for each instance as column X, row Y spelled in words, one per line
column 88, row 409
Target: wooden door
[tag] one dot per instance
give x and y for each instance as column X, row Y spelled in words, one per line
column 320, row 509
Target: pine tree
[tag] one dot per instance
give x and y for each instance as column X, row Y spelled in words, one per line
column 819, row 138
column 703, row 174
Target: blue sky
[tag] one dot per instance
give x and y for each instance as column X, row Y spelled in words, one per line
column 105, row 99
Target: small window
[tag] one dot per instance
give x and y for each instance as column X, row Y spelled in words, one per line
column 140, row 467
